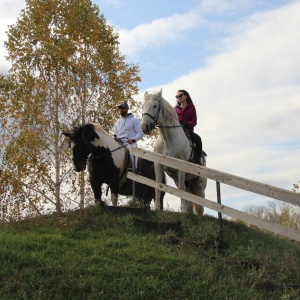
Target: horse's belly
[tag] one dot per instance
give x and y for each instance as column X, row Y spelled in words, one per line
column 173, row 173
column 125, row 188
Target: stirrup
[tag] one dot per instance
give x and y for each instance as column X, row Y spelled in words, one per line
column 193, row 161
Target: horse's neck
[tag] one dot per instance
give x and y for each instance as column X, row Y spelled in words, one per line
column 173, row 136
column 170, row 135
column 106, row 141
column 176, row 143
column 118, row 152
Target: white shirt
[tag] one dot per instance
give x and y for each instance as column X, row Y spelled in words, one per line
column 128, row 128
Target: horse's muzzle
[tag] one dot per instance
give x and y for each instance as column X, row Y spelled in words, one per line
column 76, row 169
column 147, row 129
column 79, row 166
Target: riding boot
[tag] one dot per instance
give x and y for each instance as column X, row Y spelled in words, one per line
column 196, row 156
column 198, row 151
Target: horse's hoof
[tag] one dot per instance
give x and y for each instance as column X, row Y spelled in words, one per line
column 100, row 203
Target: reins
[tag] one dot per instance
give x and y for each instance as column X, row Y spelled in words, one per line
column 168, row 126
column 107, row 153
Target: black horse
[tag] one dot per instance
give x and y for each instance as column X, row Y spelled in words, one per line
column 108, row 162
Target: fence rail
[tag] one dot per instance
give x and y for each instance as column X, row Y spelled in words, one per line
column 229, row 179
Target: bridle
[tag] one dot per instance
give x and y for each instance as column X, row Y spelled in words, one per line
column 155, row 118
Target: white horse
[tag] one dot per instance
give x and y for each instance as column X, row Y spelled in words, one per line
column 172, row 141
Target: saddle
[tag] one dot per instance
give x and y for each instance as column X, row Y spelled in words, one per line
column 129, row 165
column 118, row 140
column 129, row 162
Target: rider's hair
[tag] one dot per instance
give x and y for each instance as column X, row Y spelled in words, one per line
column 188, row 99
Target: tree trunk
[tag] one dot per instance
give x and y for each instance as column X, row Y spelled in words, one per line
column 56, row 146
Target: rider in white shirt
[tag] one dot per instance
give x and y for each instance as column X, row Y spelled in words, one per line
column 128, row 128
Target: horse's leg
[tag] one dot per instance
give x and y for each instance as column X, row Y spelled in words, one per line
column 145, row 193
column 199, row 190
column 162, row 195
column 114, row 199
column 159, row 175
column 189, row 189
column 114, row 189
column 97, row 190
column 146, row 199
column 198, row 210
column 186, row 206
column 113, row 196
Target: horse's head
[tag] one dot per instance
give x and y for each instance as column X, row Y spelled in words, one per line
column 81, row 140
column 151, row 111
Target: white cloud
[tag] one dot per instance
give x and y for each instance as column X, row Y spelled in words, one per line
column 259, row 67
column 248, row 103
column 156, row 33
column 9, row 12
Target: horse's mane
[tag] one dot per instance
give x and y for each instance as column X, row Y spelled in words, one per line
column 169, row 111
column 99, row 128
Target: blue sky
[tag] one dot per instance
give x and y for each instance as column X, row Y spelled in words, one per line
column 239, row 60
column 182, row 35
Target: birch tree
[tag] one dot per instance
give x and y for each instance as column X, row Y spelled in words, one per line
column 277, row 212
column 66, row 69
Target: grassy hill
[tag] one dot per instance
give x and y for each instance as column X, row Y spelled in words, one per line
column 99, row 255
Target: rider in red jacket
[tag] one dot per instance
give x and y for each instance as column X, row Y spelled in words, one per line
column 187, row 117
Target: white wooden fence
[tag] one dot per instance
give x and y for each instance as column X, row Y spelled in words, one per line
column 232, row 180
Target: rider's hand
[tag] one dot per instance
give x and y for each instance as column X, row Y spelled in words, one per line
column 130, row 141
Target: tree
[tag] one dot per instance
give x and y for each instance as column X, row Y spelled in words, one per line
column 66, row 70
column 277, row 212
column 296, row 188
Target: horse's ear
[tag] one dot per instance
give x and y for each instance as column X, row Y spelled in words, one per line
column 89, row 132
column 146, row 93
column 67, row 134
column 96, row 135
column 159, row 93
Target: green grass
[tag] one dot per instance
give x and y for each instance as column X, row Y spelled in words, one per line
column 97, row 255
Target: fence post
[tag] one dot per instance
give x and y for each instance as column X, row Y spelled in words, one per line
column 219, row 214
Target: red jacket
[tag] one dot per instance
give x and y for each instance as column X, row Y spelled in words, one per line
column 187, row 115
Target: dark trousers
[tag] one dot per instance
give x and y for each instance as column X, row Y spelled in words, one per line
column 198, row 142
